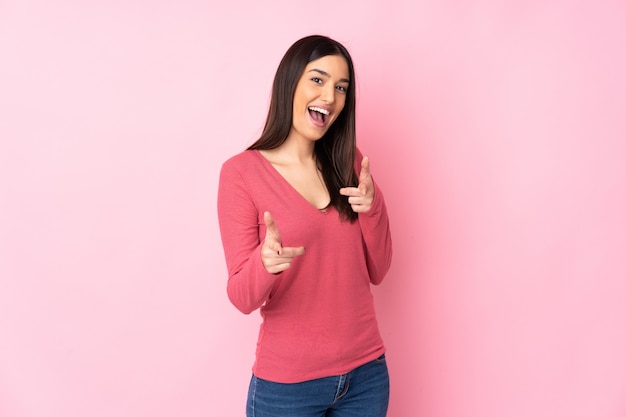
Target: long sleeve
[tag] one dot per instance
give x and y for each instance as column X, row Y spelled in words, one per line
column 377, row 238
column 376, row 234
column 249, row 284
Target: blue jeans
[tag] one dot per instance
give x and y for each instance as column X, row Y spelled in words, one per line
column 363, row 392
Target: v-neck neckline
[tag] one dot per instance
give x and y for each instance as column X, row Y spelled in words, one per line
column 275, row 172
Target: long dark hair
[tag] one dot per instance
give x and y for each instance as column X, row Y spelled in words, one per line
column 335, row 151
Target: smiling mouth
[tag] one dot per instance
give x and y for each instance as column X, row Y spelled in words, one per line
column 318, row 115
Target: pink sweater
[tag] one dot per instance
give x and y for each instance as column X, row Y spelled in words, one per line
column 318, row 316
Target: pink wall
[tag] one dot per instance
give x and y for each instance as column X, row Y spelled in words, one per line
column 498, row 133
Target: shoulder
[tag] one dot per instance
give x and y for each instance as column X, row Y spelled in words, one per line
column 242, row 163
column 247, row 168
column 242, row 159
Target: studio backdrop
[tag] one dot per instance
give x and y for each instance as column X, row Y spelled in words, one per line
column 496, row 130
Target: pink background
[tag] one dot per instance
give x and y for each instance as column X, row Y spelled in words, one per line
column 496, row 129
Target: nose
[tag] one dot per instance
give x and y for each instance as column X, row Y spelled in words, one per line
column 328, row 93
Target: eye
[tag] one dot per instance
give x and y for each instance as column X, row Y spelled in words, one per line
column 316, row 80
column 341, row 88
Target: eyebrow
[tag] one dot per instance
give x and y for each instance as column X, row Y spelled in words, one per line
column 324, row 73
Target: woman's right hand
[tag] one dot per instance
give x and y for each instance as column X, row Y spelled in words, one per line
column 274, row 256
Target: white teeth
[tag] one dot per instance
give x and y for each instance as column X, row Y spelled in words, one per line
column 319, row 110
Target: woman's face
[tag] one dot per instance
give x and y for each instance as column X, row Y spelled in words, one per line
column 319, row 97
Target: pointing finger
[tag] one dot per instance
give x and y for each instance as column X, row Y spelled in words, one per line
column 350, row 191
column 272, row 236
column 289, row 252
column 272, row 229
column 365, row 169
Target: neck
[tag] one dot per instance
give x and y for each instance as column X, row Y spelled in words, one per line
column 298, row 150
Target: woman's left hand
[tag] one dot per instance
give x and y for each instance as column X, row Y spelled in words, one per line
column 361, row 197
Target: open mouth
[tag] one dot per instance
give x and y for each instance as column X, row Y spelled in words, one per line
column 318, row 115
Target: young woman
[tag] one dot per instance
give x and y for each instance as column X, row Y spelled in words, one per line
column 305, row 232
